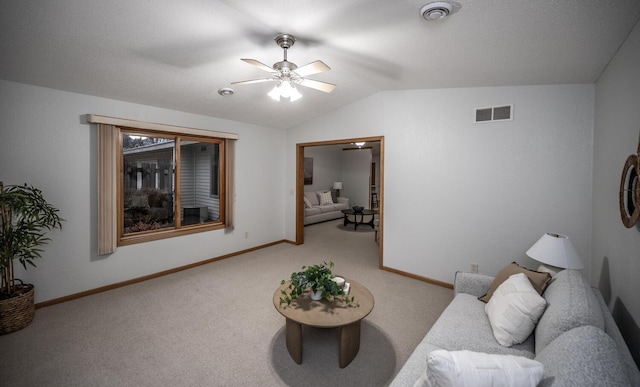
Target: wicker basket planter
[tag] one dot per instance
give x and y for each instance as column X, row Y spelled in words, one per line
column 17, row 312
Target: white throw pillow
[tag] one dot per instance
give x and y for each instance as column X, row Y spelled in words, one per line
column 325, row 198
column 466, row 368
column 307, row 203
column 514, row 310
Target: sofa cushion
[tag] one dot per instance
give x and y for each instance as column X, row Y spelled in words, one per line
column 342, row 204
column 312, row 211
column 325, row 198
column 570, row 303
column 464, row 325
column 514, row 310
column 467, row 368
column 583, row 356
column 538, row 279
column 312, row 196
column 307, row 203
column 326, row 208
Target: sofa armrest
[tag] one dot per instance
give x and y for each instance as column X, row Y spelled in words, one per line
column 611, row 328
column 472, row 283
column 344, row 201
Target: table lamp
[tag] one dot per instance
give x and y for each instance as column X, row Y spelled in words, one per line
column 337, row 186
column 556, row 253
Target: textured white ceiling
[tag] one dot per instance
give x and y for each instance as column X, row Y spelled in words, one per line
column 177, row 54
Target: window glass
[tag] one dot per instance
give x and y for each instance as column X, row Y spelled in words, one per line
column 199, row 172
column 151, row 193
column 147, row 182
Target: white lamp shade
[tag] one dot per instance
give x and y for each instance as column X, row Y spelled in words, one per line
column 294, row 94
column 555, row 250
column 337, row 185
column 275, row 93
column 286, row 89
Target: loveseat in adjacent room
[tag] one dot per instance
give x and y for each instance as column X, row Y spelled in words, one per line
column 323, row 205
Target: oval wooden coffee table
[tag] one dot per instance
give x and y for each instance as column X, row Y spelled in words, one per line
column 325, row 314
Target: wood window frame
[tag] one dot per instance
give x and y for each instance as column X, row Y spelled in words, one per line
column 110, row 177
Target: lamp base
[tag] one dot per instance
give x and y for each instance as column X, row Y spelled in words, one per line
column 549, row 269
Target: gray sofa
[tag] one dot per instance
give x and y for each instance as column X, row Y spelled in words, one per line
column 576, row 339
column 319, row 213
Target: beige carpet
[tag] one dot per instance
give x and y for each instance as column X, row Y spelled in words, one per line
column 215, row 325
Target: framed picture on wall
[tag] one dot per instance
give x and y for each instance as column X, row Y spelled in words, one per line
column 308, row 171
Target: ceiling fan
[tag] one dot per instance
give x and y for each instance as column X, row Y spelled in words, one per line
column 288, row 75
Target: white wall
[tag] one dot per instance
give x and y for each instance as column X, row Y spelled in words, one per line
column 616, row 249
column 331, row 163
column 327, row 166
column 45, row 142
column 458, row 192
column 356, row 171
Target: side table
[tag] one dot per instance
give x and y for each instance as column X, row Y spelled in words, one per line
column 351, row 212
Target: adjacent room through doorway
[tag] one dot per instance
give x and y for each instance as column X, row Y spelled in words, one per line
column 350, row 168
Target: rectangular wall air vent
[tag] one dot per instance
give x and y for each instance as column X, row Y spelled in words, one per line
column 492, row 114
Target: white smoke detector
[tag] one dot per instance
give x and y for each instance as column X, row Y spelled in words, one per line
column 439, row 10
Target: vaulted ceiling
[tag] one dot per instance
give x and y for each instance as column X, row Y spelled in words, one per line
column 177, row 54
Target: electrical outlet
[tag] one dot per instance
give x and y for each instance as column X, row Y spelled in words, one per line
column 474, row 267
column 246, row 235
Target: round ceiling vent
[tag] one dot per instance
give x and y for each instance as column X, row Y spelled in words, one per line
column 439, row 10
column 225, row 92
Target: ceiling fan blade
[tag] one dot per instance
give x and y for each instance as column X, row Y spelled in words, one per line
column 312, row 68
column 259, row 65
column 322, row 86
column 253, row 81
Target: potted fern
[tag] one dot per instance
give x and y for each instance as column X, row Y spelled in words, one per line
column 321, row 282
column 25, row 218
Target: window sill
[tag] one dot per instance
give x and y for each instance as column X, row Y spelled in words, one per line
column 157, row 235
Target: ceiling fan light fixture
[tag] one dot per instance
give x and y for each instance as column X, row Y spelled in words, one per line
column 288, row 74
column 275, row 93
column 285, row 89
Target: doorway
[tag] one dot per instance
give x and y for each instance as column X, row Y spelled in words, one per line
column 376, row 185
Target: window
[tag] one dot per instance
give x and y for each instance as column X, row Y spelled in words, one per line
column 158, row 181
column 149, row 182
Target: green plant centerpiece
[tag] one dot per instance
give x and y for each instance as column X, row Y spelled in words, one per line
column 320, row 280
column 25, row 218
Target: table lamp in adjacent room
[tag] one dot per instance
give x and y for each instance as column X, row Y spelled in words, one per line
column 337, row 186
column 556, row 253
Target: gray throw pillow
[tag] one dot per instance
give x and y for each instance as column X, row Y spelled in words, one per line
column 539, row 280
